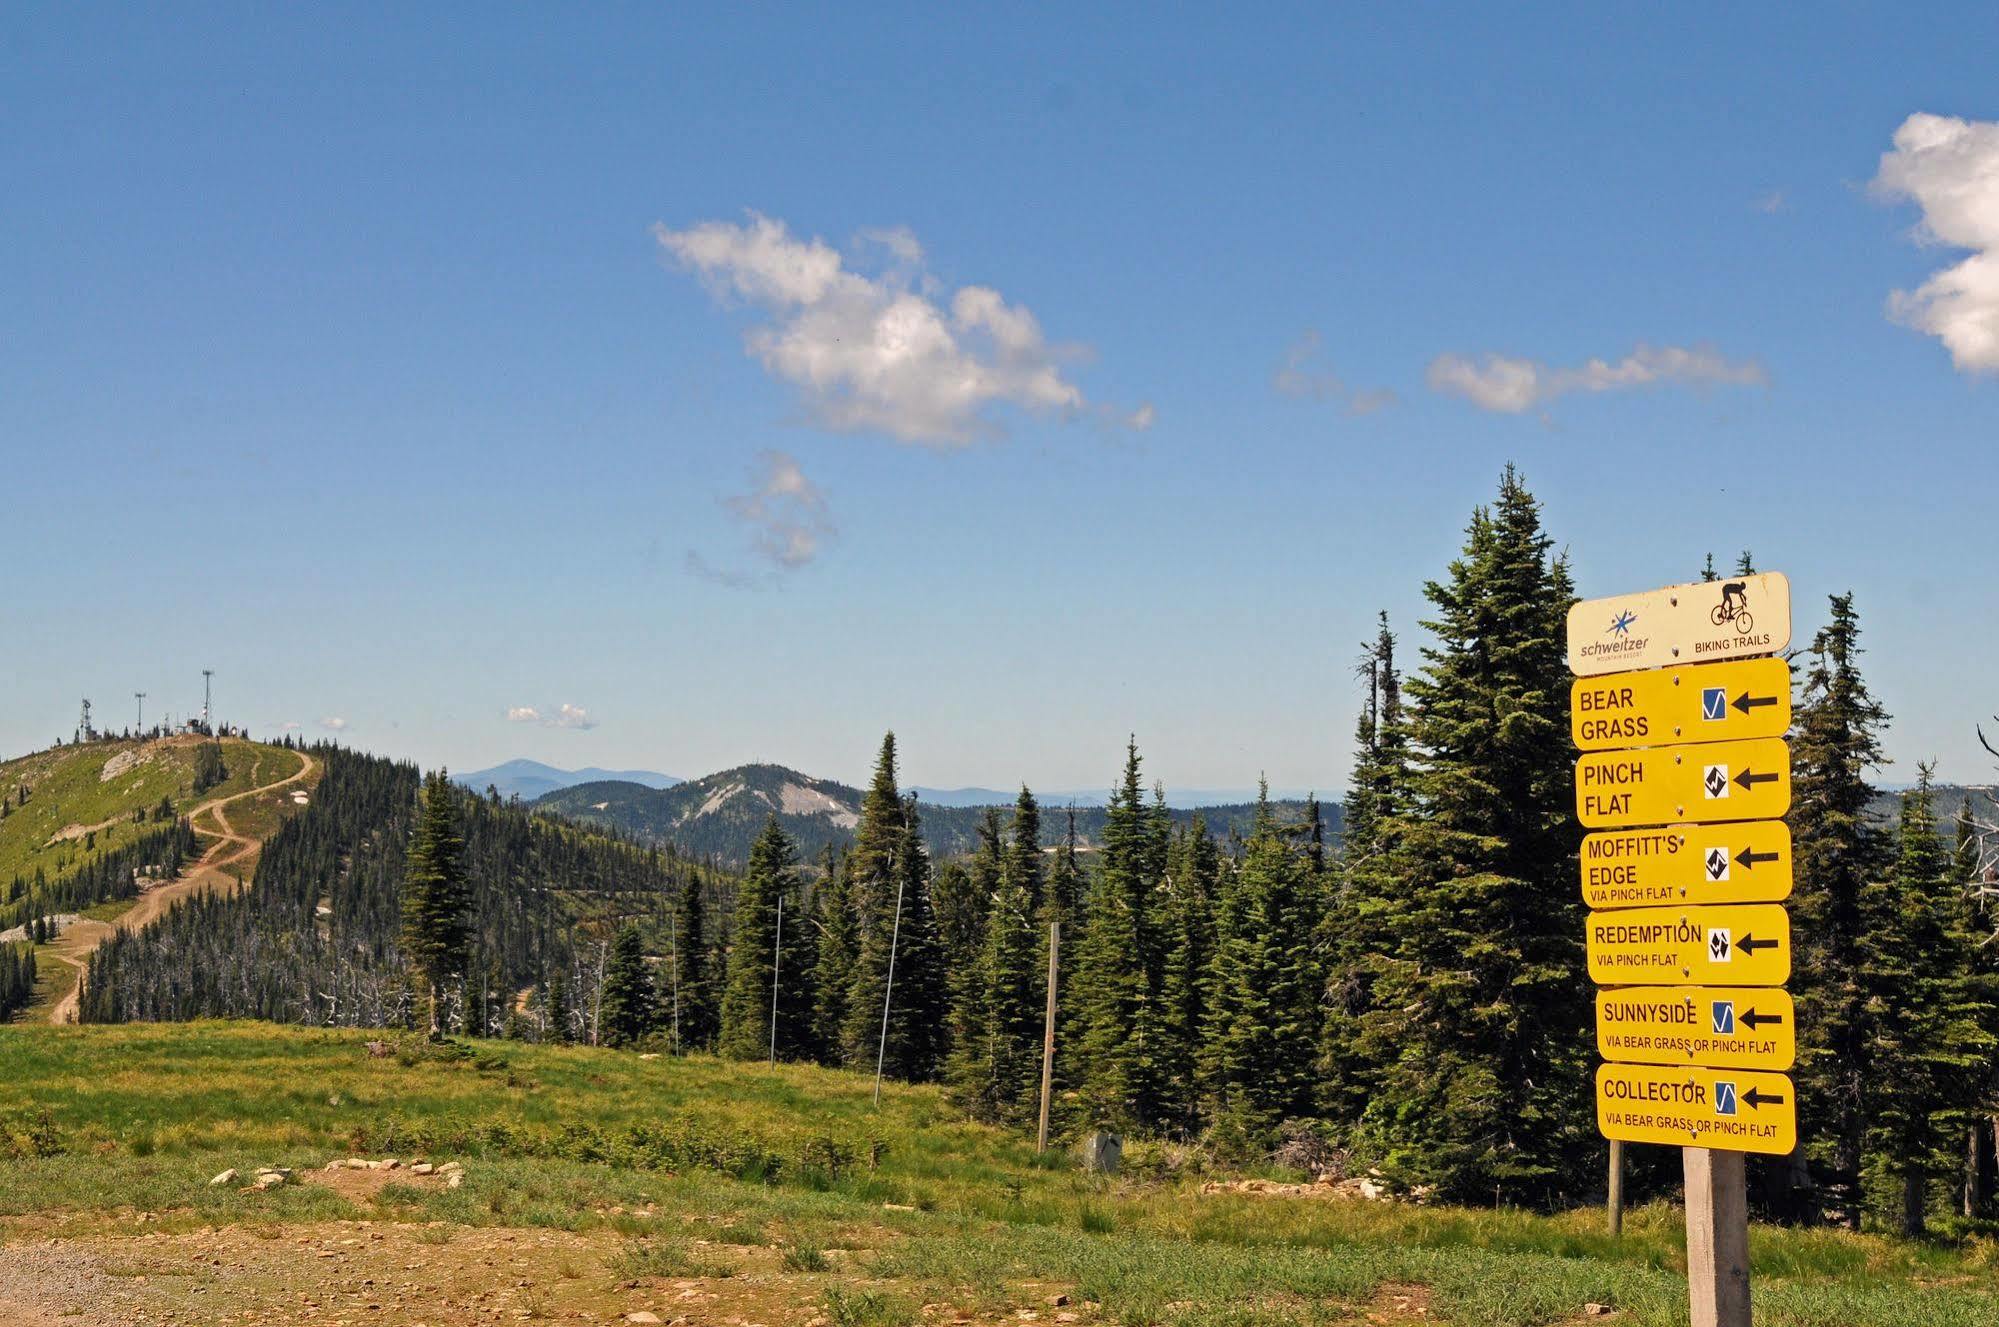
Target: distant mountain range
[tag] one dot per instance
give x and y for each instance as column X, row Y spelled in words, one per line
column 529, row 779
column 720, row 815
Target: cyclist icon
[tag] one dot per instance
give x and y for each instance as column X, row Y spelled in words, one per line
column 1733, row 608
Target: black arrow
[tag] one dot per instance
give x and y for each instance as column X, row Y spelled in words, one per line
column 1755, row 1020
column 1746, row 702
column 1755, row 1098
column 1748, row 858
column 1748, row 780
column 1749, row 944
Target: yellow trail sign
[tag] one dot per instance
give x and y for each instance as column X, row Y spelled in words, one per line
column 1714, row 702
column 1681, row 624
column 1718, row 946
column 1666, row 785
column 1721, row 1027
column 1734, row 1110
column 1747, row 862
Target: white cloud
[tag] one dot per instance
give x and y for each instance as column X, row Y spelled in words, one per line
column 1511, row 385
column 333, row 723
column 564, row 716
column 1771, row 203
column 880, row 353
column 786, row 516
column 785, row 512
column 1304, row 373
column 1950, row 169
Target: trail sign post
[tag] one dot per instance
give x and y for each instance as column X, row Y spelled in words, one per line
column 1718, row 1027
column 1680, row 709
column 1745, row 945
column 1663, row 784
column 1702, row 703
column 1734, row 1110
column 1681, row 624
column 1728, row 863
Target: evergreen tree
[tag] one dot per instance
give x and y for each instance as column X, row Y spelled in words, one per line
column 995, row 1062
column 772, row 878
column 1977, row 904
column 1193, row 875
column 1062, row 905
column 839, row 940
column 964, row 894
column 698, row 997
column 1837, row 851
column 560, row 1026
column 1366, row 894
column 1261, row 1035
column 873, row 860
column 1118, row 969
column 1024, row 851
column 437, row 900
column 628, row 1007
column 1929, row 1051
column 1480, row 1009
column 898, row 1005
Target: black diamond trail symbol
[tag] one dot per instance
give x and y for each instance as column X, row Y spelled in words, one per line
column 1717, row 864
column 1716, row 781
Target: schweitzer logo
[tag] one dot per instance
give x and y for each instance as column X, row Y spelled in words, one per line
column 1621, row 640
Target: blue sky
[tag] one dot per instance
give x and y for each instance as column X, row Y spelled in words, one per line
column 417, row 367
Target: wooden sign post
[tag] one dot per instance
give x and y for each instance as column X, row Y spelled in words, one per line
column 1679, row 709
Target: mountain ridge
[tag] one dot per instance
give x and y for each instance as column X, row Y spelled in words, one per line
column 718, row 815
column 528, row 779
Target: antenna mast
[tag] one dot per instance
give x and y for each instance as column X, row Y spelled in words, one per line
column 88, row 733
column 142, row 709
column 206, row 722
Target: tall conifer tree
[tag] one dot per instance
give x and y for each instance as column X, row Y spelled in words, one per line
column 1367, row 892
column 1483, row 1000
column 1261, row 1035
column 1193, row 877
column 839, row 942
column 768, row 958
column 995, row 1065
column 698, row 996
column 1836, row 741
column 437, row 897
column 1928, row 1048
column 628, row 1009
column 1118, row 968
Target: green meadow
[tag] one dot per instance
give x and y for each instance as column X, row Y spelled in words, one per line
column 876, row 1212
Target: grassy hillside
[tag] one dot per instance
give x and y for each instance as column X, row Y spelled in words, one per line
column 599, row 1184
column 81, row 799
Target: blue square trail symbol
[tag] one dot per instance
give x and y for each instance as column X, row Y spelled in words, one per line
column 1714, row 703
column 1724, row 1098
column 1724, row 1018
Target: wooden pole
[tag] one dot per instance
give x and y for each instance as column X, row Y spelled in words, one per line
column 1616, row 1187
column 1717, row 1238
column 888, row 992
column 776, row 960
column 1048, row 1035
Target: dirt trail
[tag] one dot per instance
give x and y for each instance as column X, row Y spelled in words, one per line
column 81, row 938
